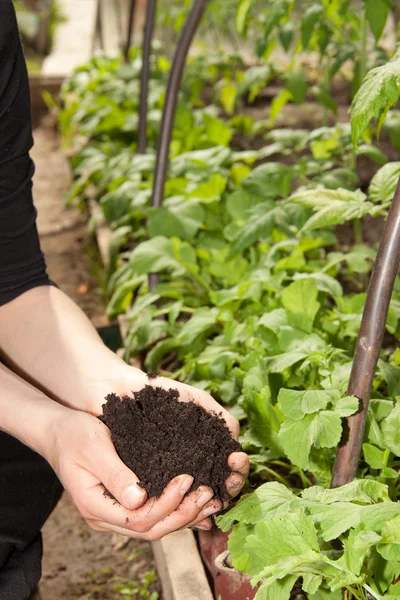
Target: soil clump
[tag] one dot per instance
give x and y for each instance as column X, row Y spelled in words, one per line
column 158, row 438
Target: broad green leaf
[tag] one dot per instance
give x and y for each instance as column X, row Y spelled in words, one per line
column 296, row 83
column 278, row 590
column 274, row 320
column 335, row 519
column 347, row 406
column 202, row 323
column 271, row 180
column 389, row 546
column 256, row 229
column 376, row 13
column 363, row 491
column 267, row 501
column 218, row 132
column 289, row 536
column 379, row 91
column 297, row 437
column 324, row 282
column 373, row 456
column 300, row 297
column 296, row 404
column 263, row 421
column 356, row 549
column 332, row 207
column 391, row 430
column 182, row 220
column 310, row 19
column 153, row 256
column 384, row 182
column 237, row 548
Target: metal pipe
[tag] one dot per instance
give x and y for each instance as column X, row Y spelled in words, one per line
column 168, row 115
column 368, row 345
column 131, row 23
column 145, row 74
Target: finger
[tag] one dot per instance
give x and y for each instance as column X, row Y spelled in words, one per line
column 204, row 525
column 234, row 484
column 187, row 512
column 120, row 481
column 212, row 508
column 240, row 463
column 188, row 393
column 157, row 509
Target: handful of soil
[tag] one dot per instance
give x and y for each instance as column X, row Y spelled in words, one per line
column 158, row 438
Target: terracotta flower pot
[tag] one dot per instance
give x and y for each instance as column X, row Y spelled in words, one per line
column 229, row 584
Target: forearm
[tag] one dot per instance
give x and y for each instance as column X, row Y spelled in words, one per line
column 25, row 413
column 48, row 340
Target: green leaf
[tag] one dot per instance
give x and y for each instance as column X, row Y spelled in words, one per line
column 153, row 256
column 379, row 91
column 296, row 83
column 278, row 590
column 263, row 421
column 389, row 546
column 334, row 520
column 376, row 13
column 271, row 180
column 278, row 104
column 363, row 491
column 182, row 220
column 373, row 456
column 218, row 132
column 332, row 207
column 321, row 429
column 296, row 404
column 241, row 15
column 256, row 229
column 201, row 324
column 300, row 298
column 310, row 19
column 267, row 501
column 384, row 182
column 391, row 430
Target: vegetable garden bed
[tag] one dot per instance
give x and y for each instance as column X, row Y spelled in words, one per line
column 263, row 258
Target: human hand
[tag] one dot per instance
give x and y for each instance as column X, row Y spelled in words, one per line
column 132, row 379
column 82, row 454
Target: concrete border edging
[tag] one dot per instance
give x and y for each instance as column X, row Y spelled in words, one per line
column 178, row 561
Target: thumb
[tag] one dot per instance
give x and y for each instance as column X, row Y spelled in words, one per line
column 120, row 481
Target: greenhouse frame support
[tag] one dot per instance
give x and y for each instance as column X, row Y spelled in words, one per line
column 145, row 74
column 369, row 344
column 171, row 99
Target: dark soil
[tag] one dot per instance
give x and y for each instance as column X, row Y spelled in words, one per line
column 158, row 438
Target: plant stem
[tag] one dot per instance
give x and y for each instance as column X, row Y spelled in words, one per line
column 357, row 232
column 364, row 49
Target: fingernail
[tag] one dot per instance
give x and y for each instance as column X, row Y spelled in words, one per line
column 204, row 498
column 198, row 528
column 211, row 510
column 132, row 496
column 187, row 484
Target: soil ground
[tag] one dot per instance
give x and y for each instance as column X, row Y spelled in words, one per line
column 79, row 564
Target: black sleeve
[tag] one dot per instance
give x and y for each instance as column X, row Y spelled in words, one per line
column 22, row 264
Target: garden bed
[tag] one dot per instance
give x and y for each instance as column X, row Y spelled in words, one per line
column 263, row 258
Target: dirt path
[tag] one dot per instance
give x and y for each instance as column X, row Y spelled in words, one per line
column 79, row 564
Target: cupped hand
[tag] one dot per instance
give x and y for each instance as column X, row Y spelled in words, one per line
column 132, row 380
column 83, row 456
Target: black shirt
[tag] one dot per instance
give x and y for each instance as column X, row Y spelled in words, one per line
column 22, row 264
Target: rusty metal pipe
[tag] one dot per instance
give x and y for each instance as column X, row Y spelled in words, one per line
column 171, row 98
column 145, row 74
column 368, row 345
column 129, row 37
column 167, row 120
